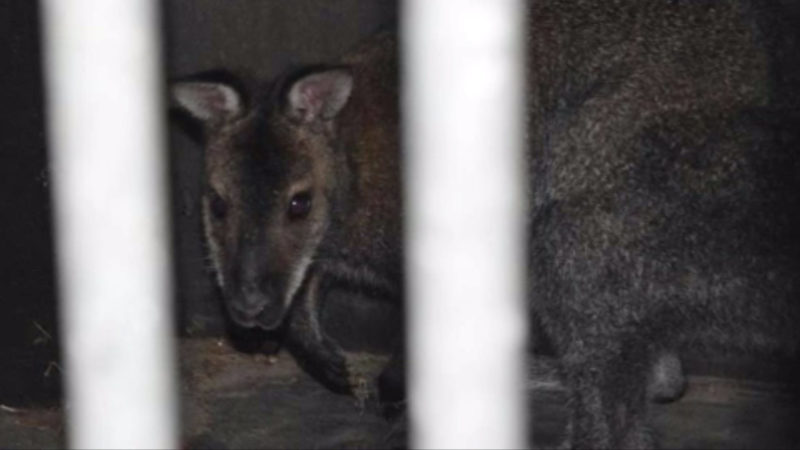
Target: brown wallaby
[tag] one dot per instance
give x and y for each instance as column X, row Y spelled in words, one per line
column 302, row 210
column 664, row 197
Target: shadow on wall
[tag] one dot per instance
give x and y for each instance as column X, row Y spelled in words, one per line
column 28, row 345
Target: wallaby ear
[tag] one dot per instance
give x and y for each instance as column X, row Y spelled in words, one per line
column 319, row 96
column 207, row 101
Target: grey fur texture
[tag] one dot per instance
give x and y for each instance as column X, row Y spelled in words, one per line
column 664, row 192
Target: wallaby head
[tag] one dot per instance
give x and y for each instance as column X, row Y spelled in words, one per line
column 273, row 173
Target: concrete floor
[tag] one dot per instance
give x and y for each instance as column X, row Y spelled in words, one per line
column 236, row 400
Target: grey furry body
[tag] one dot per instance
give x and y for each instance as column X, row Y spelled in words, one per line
column 664, row 195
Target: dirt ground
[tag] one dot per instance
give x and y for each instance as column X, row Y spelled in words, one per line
column 237, row 400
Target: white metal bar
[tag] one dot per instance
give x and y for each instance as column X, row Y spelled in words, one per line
column 463, row 112
column 105, row 137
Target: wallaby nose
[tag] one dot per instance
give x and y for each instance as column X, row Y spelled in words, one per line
column 254, row 305
column 252, row 298
column 250, row 288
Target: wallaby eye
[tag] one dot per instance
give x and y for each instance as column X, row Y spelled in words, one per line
column 299, row 205
column 217, row 205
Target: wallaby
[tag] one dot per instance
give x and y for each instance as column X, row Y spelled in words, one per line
column 302, row 208
column 664, row 196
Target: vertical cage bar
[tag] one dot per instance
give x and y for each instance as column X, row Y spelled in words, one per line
column 102, row 61
column 464, row 173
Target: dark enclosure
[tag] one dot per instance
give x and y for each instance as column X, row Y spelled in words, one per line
column 28, row 343
column 239, row 389
column 200, row 36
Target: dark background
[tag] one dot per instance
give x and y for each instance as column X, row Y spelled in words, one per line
column 255, row 39
column 28, row 333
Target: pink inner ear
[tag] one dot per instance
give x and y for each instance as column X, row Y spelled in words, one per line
column 319, row 96
column 206, row 101
column 312, row 100
column 214, row 99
